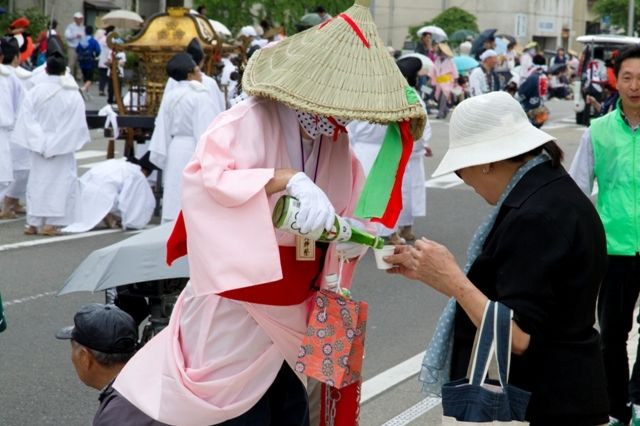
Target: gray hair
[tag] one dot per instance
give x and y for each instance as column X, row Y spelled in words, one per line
column 110, row 360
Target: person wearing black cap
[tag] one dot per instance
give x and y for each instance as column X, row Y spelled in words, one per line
column 197, row 54
column 185, row 113
column 103, row 338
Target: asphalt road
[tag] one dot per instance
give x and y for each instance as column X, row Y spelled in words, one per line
column 38, row 385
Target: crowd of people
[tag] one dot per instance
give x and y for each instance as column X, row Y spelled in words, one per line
column 524, row 72
column 230, row 352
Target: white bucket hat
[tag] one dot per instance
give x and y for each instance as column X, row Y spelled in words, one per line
column 488, row 128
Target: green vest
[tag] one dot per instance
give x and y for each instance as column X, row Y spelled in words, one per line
column 617, row 170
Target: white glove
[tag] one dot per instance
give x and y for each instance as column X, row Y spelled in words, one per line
column 349, row 250
column 316, row 211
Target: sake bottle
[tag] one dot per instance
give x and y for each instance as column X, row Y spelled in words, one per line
column 285, row 218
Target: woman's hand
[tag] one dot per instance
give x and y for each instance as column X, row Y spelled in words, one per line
column 429, row 262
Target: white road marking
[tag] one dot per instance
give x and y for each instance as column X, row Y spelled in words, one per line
column 90, row 165
column 29, row 298
column 83, row 155
column 3, row 221
column 50, row 240
column 413, row 412
column 447, row 181
column 391, row 377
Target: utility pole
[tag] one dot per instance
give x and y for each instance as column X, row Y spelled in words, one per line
column 632, row 4
column 392, row 11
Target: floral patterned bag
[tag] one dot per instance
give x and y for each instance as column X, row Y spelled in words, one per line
column 332, row 350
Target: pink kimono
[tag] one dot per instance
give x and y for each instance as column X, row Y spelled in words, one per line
column 443, row 75
column 218, row 356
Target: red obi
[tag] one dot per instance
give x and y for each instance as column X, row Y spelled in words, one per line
column 296, row 285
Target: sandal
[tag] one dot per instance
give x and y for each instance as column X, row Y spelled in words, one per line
column 8, row 215
column 50, row 231
column 30, row 230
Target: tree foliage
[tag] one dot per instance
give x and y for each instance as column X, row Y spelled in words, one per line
column 237, row 13
column 451, row 20
column 37, row 20
column 617, row 11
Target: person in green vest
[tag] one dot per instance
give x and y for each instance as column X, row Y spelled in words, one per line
column 609, row 153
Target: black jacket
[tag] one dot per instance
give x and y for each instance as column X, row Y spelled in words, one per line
column 545, row 258
column 116, row 410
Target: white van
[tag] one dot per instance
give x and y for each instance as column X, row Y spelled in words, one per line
column 608, row 43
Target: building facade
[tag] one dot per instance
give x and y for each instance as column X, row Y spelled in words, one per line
column 552, row 23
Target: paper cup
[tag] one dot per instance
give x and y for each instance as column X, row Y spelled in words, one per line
column 383, row 252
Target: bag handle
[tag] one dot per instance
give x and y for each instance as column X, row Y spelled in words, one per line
column 503, row 334
column 484, row 349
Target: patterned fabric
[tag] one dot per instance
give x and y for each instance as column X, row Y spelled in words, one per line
column 436, row 365
column 333, row 347
column 316, row 125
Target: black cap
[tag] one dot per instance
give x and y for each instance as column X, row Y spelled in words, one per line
column 180, row 65
column 104, row 328
column 195, row 50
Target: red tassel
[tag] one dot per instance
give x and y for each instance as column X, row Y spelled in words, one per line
column 394, row 207
column 177, row 242
column 356, row 28
column 347, row 406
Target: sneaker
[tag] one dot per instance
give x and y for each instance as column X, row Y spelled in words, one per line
column 101, row 94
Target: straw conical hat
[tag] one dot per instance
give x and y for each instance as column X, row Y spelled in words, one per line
column 340, row 68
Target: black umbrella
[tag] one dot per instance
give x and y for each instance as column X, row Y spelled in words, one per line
column 479, row 41
column 511, row 38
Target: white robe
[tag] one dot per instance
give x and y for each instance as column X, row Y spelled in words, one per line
column 114, row 186
column 52, row 125
column 210, row 84
column 20, row 156
column 184, row 114
column 11, row 94
column 366, row 140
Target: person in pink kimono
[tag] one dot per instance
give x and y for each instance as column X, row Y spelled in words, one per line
column 444, row 76
column 228, row 354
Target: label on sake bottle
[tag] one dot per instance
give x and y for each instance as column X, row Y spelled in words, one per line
column 285, row 217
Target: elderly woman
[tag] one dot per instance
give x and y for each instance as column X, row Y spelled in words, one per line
column 541, row 252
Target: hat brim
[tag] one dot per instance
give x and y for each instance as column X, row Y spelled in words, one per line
column 508, row 145
column 65, row 333
column 446, row 49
